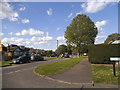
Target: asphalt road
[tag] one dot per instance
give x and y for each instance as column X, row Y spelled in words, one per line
column 22, row 76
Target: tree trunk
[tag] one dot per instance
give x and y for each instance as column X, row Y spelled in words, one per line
column 79, row 53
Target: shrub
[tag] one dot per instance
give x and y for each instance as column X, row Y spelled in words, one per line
column 100, row 54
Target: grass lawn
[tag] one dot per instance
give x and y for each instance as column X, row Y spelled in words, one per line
column 104, row 74
column 49, row 58
column 5, row 63
column 57, row 67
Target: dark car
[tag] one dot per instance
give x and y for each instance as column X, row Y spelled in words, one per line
column 22, row 59
column 66, row 56
column 36, row 57
column 52, row 55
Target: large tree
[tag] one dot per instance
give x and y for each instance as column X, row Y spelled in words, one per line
column 112, row 37
column 81, row 32
column 62, row 49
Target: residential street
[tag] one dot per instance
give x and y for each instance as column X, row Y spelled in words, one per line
column 22, row 76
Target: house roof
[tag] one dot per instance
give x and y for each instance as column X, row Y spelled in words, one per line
column 116, row 42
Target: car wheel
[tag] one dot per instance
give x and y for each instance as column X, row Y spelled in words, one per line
column 21, row 62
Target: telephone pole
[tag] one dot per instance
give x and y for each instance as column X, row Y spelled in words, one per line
column 57, row 44
column 57, row 48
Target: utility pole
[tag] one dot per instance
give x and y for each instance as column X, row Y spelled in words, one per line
column 8, row 49
column 57, row 44
column 57, row 48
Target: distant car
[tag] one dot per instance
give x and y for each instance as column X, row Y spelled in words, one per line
column 52, row 55
column 85, row 54
column 22, row 59
column 36, row 57
column 66, row 56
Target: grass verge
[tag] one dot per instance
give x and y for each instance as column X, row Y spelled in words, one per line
column 49, row 58
column 5, row 63
column 104, row 74
column 57, row 67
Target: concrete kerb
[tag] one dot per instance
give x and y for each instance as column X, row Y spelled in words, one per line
column 90, row 85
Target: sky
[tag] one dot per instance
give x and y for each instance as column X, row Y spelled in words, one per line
column 41, row 24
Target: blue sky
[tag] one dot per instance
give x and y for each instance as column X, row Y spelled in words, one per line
column 40, row 24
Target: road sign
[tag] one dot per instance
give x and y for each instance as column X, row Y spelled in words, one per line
column 115, row 58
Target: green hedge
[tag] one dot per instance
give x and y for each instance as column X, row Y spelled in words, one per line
column 100, row 54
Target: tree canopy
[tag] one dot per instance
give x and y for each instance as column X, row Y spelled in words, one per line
column 112, row 37
column 82, row 31
column 62, row 49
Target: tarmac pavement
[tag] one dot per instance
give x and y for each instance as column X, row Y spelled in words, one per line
column 22, row 76
column 81, row 73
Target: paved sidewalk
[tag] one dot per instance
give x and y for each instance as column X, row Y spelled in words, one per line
column 81, row 73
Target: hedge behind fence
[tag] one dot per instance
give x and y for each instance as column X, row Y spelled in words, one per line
column 100, row 54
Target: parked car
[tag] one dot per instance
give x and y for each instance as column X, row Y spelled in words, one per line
column 52, row 55
column 36, row 57
column 85, row 54
column 66, row 56
column 22, row 59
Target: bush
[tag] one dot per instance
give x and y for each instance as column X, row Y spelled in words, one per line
column 100, row 54
column 6, row 58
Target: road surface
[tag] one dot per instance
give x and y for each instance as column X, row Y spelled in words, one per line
column 22, row 76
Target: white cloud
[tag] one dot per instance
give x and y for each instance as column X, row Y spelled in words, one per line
column 100, row 39
column 22, row 8
column 25, row 21
column 61, row 38
column 1, row 34
column 62, row 43
column 47, row 33
column 30, row 31
column 18, row 34
column 58, row 28
column 50, row 12
column 100, row 24
column 70, row 15
column 26, row 41
column 11, row 33
column 92, row 6
column 8, row 12
column 14, row 40
column 42, row 42
column 78, row 13
column 45, row 38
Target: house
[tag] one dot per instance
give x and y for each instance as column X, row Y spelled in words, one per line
column 116, row 42
column 31, row 50
column 11, row 47
column 20, row 51
column 0, row 46
column 15, row 50
column 39, row 50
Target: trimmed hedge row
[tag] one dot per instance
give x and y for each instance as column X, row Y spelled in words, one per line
column 100, row 54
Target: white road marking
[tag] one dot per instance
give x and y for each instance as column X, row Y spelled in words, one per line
column 18, row 71
column 9, row 73
column 17, row 65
